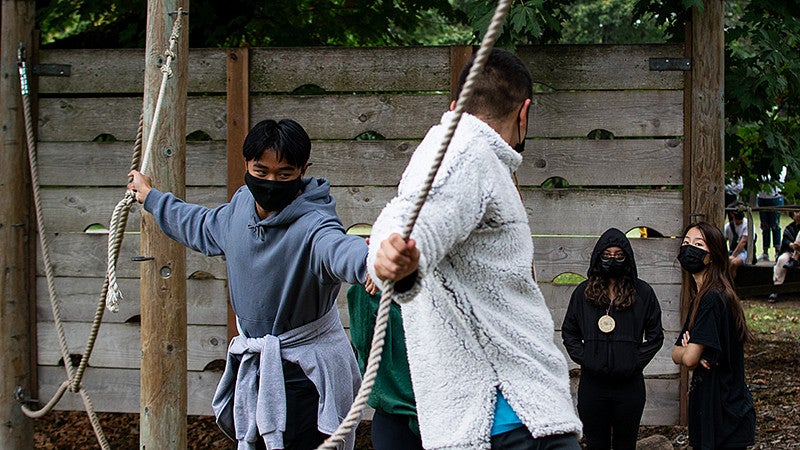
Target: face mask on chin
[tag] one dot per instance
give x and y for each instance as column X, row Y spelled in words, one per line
column 273, row 195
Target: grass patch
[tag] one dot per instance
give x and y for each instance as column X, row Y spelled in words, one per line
column 773, row 319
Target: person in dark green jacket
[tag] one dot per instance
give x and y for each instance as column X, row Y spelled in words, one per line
column 394, row 425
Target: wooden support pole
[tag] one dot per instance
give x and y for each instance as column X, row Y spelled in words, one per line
column 163, row 280
column 16, row 231
column 707, row 172
column 238, row 107
column 704, row 146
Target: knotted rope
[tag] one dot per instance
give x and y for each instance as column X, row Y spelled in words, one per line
column 110, row 295
column 382, row 319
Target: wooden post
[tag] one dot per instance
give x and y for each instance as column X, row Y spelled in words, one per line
column 238, row 107
column 704, row 169
column 459, row 55
column 16, row 231
column 163, row 280
column 707, row 171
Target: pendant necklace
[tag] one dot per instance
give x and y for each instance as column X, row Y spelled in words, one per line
column 606, row 322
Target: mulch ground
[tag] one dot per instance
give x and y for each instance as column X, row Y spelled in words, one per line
column 772, row 367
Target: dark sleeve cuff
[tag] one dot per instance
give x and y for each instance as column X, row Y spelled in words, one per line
column 406, row 283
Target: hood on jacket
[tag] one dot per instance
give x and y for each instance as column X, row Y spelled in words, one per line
column 612, row 238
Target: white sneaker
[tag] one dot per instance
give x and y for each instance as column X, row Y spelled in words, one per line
column 763, row 257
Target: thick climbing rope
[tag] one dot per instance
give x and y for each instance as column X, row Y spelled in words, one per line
column 382, row 319
column 116, row 233
column 48, row 265
column 114, row 295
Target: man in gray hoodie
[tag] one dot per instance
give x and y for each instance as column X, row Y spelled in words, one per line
column 286, row 253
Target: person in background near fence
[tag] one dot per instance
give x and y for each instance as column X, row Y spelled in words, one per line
column 394, row 424
column 770, row 222
column 612, row 328
column 485, row 369
column 286, row 253
column 711, row 343
column 788, row 254
column 733, row 189
column 736, row 236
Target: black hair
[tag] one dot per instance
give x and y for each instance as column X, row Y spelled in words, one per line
column 717, row 278
column 504, row 83
column 286, row 138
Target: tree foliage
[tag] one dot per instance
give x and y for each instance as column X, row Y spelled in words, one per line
column 231, row 23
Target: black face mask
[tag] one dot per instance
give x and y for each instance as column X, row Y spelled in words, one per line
column 692, row 258
column 612, row 268
column 273, row 195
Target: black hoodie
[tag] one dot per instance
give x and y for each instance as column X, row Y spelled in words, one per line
column 637, row 336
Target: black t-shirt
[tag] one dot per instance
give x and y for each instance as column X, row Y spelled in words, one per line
column 721, row 412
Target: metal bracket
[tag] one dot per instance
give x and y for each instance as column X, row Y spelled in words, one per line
column 51, row 70
column 670, row 64
column 22, row 397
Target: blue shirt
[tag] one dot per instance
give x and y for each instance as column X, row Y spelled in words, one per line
column 505, row 419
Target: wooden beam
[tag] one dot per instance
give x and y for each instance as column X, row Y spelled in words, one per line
column 16, row 230
column 163, row 280
column 707, row 179
column 459, row 56
column 238, row 107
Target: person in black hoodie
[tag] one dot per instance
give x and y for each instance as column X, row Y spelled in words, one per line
column 612, row 329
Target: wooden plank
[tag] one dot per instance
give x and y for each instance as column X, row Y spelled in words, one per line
column 623, row 113
column 84, row 256
column 117, row 390
column 350, row 69
column 121, row 71
column 613, row 67
column 85, row 118
column 655, row 162
column 393, row 116
column 584, row 162
column 592, row 211
column 73, row 210
column 655, row 258
column 206, row 300
column 107, row 163
column 118, row 344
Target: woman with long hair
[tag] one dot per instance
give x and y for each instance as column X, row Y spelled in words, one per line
column 612, row 329
column 721, row 412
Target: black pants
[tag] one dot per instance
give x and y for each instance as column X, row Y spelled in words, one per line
column 302, row 399
column 611, row 410
column 391, row 432
column 521, row 439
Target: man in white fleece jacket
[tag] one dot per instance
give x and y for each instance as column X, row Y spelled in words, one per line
column 484, row 368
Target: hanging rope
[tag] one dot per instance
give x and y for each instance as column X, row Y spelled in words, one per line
column 119, row 216
column 48, row 265
column 116, row 233
column 382, row 319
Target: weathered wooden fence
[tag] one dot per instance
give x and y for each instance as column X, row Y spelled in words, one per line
column 365, row 109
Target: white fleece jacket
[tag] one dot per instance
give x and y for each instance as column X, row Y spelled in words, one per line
column 478, row 321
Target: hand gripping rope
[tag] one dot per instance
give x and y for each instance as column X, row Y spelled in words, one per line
column 110, row 295
column 381, row 321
